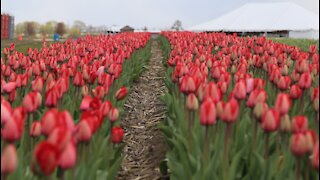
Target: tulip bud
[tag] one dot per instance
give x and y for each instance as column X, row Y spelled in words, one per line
column 192, row 102
column 285, row 70
column 315, row 157
column 84, row 90
column 44, row 159
column 240, row 90
column 187, row 85
column 299, row 144
column 230, row 111
column 315, row 104
column 121, row 93
column 113, row 114
column 35, row 130
column 259, row 109
column 220, row 106
column 270, row 120
column 250, row 84
column 68, row 157
column 207, row 113
column 233, row 69
column 117, row 135
column 85, row 103
column 305, row 80
column 105, row 108
column 60, row 137
column 311, row 140
column 299, row 124
column 285, row 123
column 295, row 92
column 48, row 121
column 83, row 132
column 9, row 159
column 283, row 103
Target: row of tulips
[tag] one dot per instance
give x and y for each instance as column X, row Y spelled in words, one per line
column 61, row 106
column 240, row 108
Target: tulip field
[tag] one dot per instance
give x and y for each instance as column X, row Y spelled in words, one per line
column 237, row 108
column 240, row 108
column 60, row 106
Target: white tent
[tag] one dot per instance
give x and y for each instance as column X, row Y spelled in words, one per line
column 266, row 17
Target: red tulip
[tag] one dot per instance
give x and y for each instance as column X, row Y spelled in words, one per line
column 305, row 80
column 6, row 111
column 283, row 103
column 60, row 137
column 240, row 90
column 256, row 96
column 99, row 92
column 187, row 85
column 270, row 120
column 12, row 96
column 212, row 91
column 11, row 131
column 83, row 133
column 192, row 103
column 285, row 123
column 315, row 94
column 85, row 103
column 48, row 121
column 207, row 113
column 32, row 101
column 117, row 135
column 259, row 83
column 84, row 90
column 37, row 84
column 299, row 124
column 68, row 157
column 121, row 93
column 113, row 114
column 44, row 159
column 295, row 92
column 315, row 157
column 299, row 144
column 9, row 87
column 230, row 111
column 51, row 97
column 9, row 159
column 35, row 130
column 311, row 139
column 250, row 85
column 284, row 82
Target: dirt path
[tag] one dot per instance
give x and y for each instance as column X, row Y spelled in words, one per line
column 145, row 147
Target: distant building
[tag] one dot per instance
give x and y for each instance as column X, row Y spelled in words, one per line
column 127, row 29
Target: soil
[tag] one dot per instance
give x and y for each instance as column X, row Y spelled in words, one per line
column 145, row 147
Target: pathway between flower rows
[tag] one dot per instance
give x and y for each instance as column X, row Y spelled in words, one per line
column 145, row 147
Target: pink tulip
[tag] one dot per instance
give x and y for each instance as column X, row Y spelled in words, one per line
column 9, row 159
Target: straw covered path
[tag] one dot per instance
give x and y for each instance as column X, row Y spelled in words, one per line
column 145, row 147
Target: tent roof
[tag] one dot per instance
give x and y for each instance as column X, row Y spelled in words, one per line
column 262, row 17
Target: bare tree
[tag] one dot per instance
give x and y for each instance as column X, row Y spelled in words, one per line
column 177, row 25
column 61, row 28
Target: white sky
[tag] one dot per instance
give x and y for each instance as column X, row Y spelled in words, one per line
column 137, row 13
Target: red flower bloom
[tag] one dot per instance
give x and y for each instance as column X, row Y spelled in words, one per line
column 45, row 157
column 121, row 93
column 117, row 135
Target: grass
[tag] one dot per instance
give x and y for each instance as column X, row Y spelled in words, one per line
column 303, row 44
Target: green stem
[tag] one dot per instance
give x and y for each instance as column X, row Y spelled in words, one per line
column 206, row 147
column 266, row 156
column 225, row 154
column 298, row 167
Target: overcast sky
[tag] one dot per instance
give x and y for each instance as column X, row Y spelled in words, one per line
column 137, row 13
